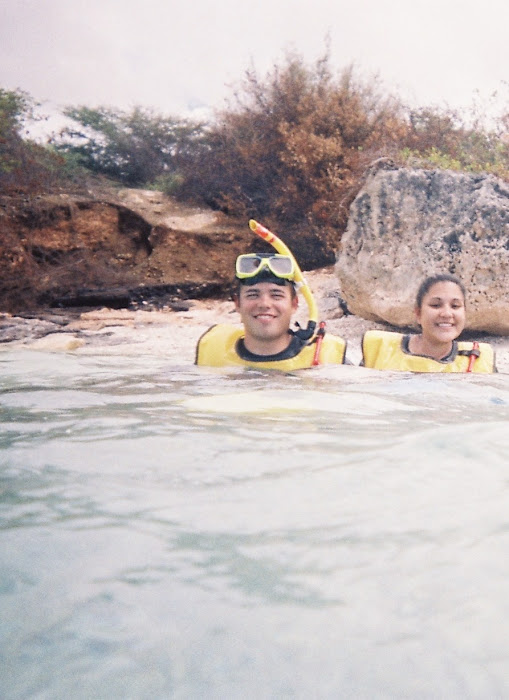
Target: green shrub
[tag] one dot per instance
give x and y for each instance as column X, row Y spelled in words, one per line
column 25, row 165
column 135, row 147
column 441, row 139
column 168, row 183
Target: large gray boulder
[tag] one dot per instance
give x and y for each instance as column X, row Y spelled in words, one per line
column 407, row 224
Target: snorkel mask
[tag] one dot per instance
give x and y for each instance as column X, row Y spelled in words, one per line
column 282, row 267
column 258, row 267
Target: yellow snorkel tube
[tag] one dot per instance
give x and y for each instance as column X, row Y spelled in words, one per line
column 300, row 282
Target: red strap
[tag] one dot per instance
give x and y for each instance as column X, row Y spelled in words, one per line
column 473, row 356
column 319, row 340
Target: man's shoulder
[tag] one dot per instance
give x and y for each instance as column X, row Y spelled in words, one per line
column 222, row 329
column 215, row 342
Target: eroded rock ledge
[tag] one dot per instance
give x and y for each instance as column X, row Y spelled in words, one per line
column 125, row 244
column 122, row 244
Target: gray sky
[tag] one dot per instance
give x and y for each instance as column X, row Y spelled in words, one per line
column 175, row 55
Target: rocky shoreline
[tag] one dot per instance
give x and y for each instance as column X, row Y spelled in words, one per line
column 174, row 331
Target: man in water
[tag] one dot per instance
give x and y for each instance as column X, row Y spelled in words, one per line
column 266, row 299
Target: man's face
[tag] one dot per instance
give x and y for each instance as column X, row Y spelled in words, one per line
column 266, row 310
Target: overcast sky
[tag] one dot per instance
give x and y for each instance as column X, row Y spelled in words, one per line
column 176, row 55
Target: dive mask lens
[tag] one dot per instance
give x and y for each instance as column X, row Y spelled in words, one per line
column 251, row 264
column 281, row 265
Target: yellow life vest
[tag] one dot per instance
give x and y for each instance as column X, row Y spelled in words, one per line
column 384, row 350
column 217, row 348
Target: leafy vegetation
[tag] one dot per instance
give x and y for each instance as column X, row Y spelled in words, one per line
column 135, row 148
column 443, row 140
column 24, row 165
column 291, row 148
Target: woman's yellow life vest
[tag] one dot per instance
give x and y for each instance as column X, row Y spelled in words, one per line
column 385, row 350
column 217, row 348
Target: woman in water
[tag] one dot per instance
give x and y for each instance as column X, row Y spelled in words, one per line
column 440, row 312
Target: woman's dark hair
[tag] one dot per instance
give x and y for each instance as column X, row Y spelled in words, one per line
column 430, row 281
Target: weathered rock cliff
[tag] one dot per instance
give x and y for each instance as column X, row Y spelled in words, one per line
column 111, row 247
column 113, row 242
column 407, row 224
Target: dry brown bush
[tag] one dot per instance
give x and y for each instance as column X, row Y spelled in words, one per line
column 294, row 146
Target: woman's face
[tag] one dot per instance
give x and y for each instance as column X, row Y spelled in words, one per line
column 442, row 313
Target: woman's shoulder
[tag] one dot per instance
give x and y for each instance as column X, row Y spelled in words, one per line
column 376, row 335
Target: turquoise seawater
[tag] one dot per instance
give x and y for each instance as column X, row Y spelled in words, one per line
column 174, row 532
